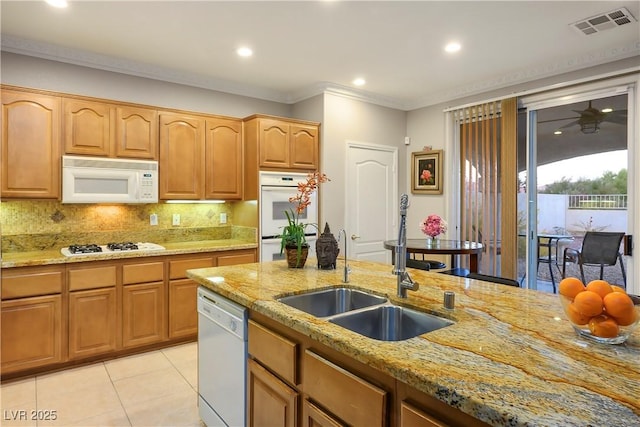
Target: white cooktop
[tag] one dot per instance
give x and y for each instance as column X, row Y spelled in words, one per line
column 142, row 247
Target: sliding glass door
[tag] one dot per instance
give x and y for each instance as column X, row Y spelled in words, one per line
column 573, row 175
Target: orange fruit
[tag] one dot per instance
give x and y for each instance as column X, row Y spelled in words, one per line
column 616, row 288
column 570, row 287
column 575, row 316
column 603, row 326
column 600, row 287
column 589, row 303
column 618, row 304
column 627, row 320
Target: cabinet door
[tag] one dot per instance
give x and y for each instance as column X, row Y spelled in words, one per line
column 31, row 333
column 92, row 322
column 87, row 127
column 30, row 145
column 270, row 401
column 312, row 416
column 136, row 132
column 181, row 157
column 223, row 166
column 304, row 146
column 274, row 143
column 143, row 314
column 183, row 308
column 410, row 416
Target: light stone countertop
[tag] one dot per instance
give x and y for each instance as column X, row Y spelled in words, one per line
column 511, row 358
column 50, row 257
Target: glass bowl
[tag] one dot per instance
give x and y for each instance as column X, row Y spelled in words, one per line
column 602, row 328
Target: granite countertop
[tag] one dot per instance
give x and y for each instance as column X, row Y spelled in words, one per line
column 511, row 358
column 48, row 257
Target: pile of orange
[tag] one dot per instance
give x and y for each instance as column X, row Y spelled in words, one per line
column 601, row 306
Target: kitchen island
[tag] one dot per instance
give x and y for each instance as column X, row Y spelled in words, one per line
column 510, row 358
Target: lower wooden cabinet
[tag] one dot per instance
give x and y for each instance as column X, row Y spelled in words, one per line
column 410, row 416
column 31, row 332
column 92, row 322
column 312, row 416
column 183, row 314
column 143, row 314
column 270, row 401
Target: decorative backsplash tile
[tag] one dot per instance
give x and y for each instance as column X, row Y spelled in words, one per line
column 40, row 225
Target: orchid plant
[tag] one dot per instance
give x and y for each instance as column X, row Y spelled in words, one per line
column 433, row 226
column 293, row 234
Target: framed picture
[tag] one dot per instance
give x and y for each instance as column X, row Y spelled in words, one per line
column 426, row 172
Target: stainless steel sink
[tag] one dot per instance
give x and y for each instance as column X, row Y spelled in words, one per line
column 333, row 301
column 390, row 322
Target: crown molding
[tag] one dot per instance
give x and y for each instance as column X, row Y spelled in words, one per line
column 118, row 65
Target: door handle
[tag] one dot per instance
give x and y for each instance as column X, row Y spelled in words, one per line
column 354, row 237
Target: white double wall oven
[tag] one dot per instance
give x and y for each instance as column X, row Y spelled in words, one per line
column 275, row 190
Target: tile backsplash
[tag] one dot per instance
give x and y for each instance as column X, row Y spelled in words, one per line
column 37, row 225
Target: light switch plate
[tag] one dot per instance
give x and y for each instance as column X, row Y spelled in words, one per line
column 223, row 218
column 176, row 219
column 153, row 219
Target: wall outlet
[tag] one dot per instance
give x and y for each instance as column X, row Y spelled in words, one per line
column 223, row 218
column 153, row 219
column 176, row 219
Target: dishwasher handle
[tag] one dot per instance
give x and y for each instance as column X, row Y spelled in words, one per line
column 223, row 312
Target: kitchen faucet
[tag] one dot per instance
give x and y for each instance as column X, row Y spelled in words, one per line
column 345, row 274
column 400, row 269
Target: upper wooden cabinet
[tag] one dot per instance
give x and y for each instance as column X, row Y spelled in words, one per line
column 181, row 156
column 223, row 159
column 281, row 143
column 200, row 158
column 109, row 130
column 30, row 145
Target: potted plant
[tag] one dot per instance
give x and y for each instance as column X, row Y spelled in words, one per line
column 293, row 240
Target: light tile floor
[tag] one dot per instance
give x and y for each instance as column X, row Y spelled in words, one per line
column 153, row 389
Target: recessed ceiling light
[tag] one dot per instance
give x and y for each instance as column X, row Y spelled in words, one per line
column 359, row 81
column 558, row 132
column 607, row 110
column 57, row 3
column 244, row 52
column 452, row 47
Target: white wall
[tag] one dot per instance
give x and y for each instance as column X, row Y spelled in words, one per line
column 36, row 73
column 347, row 119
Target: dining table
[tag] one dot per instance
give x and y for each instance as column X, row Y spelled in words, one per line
column 442, row 247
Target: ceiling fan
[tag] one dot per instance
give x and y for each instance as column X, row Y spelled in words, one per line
column 589, row 119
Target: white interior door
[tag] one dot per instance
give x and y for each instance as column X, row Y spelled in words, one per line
column 372, row 200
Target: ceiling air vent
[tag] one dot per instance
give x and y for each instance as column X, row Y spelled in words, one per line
column 605, row 21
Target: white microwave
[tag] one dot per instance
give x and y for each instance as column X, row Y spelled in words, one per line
column 105, row 180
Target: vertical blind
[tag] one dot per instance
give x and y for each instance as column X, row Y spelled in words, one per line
column 488, row 165
column 479, row 130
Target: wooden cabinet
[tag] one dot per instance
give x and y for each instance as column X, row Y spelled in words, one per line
column 270, row 402
column 93, row 311
column 410, row 416
column 181, row 156
column 200, row 158
column 30, row 145
column 282, row 143
column 183, row 307
column 102, row 129
column 143, row 304
column 234, row 258
column 312, row 416
column 223, row 159
column 31, row 318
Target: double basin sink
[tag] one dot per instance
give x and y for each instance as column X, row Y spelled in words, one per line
column 366, row 314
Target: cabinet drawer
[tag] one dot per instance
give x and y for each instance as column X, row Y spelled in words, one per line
column 349, row 397
column 31, row 284
column 412, row 416
column 236, row 259
column 274, row 351
column 92, row 278
column 178, row 269
column 143, row 273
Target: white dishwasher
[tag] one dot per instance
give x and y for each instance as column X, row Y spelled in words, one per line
column 222, row 360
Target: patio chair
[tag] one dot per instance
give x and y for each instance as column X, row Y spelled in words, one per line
column 599, row 248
